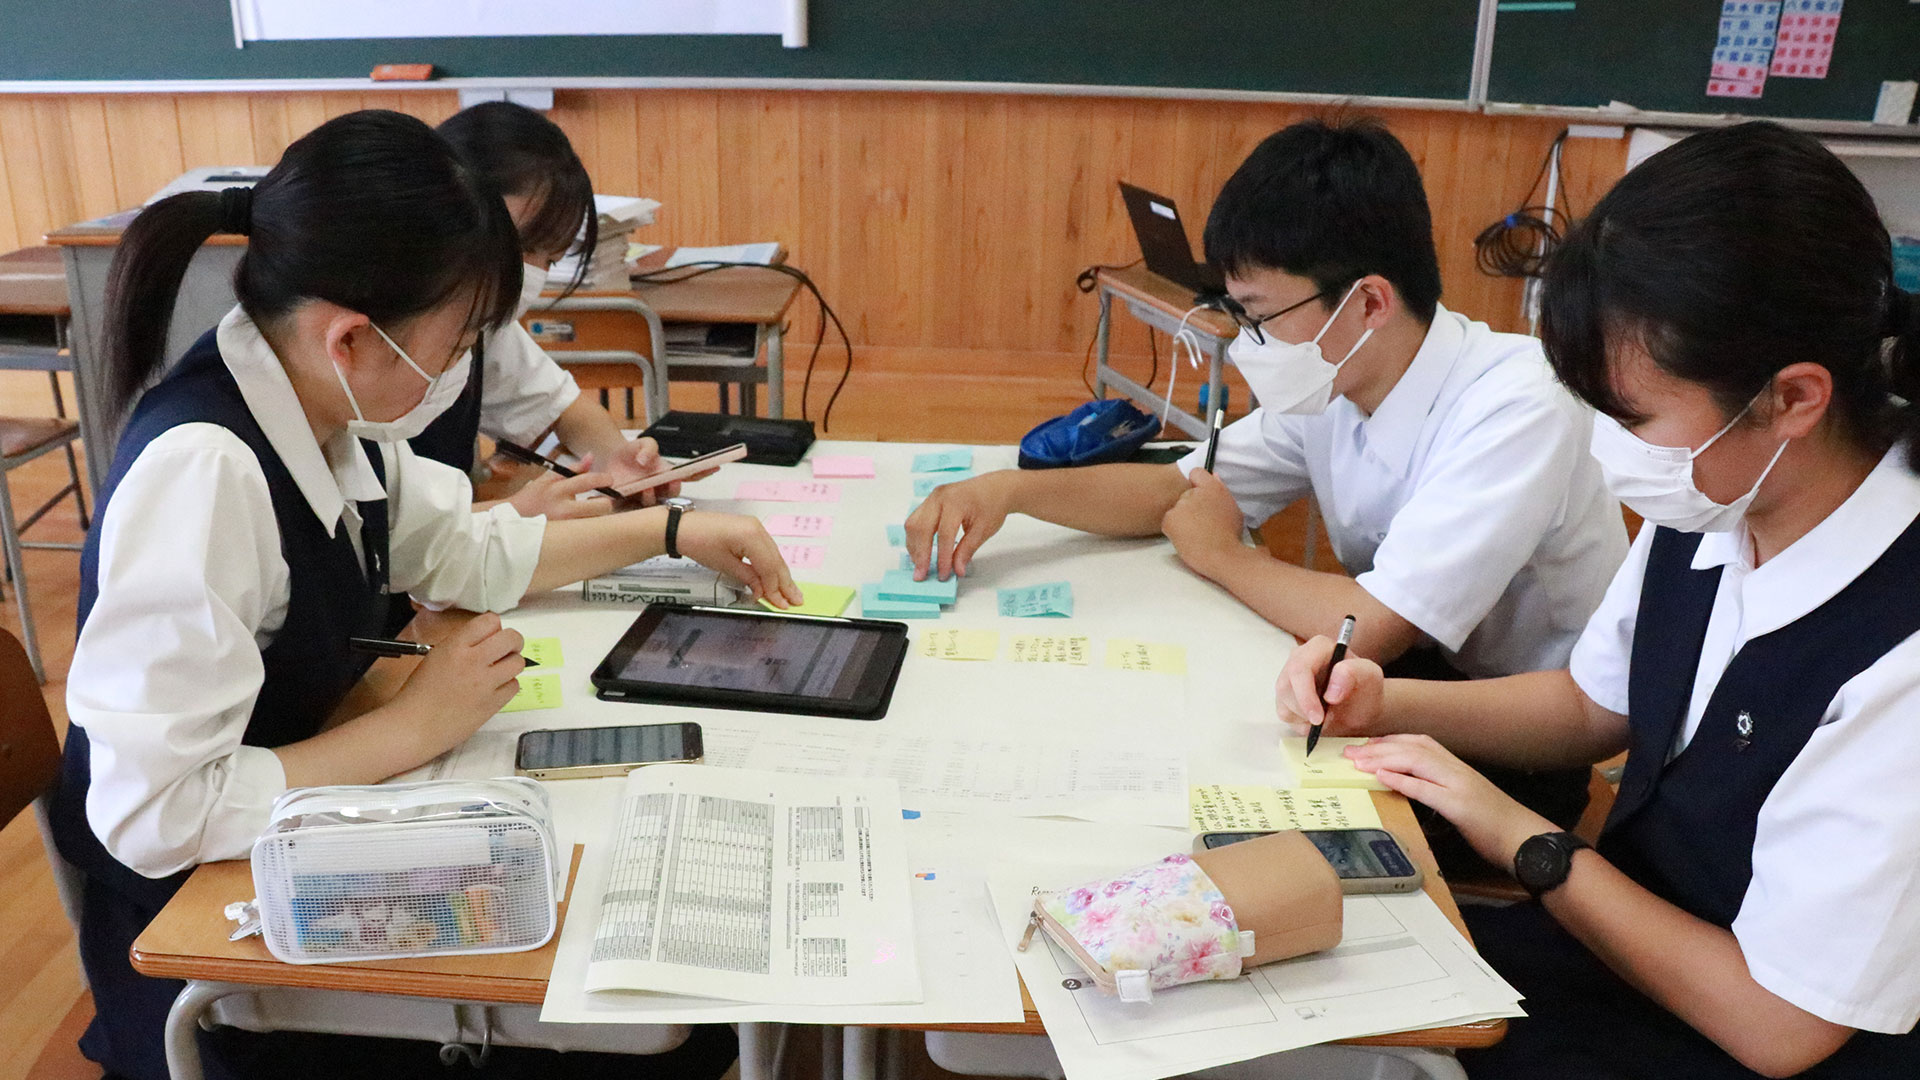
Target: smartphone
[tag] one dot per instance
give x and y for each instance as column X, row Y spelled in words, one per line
column 689, row 468
column 577, row 753
column 1365, row 860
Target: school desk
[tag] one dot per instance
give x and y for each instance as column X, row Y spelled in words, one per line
column 1220, row 713
column 1163, row 305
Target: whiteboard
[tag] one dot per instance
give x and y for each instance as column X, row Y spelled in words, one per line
column 304, row 20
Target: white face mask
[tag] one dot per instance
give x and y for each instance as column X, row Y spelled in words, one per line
column 533, row 280
column 1292, row 378
column 442, row 391
column 1656, row 482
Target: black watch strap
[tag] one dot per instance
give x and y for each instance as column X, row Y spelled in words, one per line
column 1544, row 861
column 673, row 530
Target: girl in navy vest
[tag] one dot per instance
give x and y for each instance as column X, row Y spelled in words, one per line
column 517, row 391
column 1753, row 907
column 261, row 503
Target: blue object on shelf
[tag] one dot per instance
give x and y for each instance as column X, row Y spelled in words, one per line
column 1206, row 410
column 1906, row 263
column 1093, row 434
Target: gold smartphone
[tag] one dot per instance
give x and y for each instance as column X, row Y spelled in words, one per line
column 578, row 753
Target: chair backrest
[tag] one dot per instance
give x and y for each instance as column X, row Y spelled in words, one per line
column 29, row 750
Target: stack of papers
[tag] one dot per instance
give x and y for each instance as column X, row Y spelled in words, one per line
column 607, row 263
column 759, row 254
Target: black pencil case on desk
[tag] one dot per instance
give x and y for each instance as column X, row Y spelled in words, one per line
column 769, row 442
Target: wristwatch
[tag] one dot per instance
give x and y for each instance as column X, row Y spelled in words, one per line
column 1544, row 861
column 673, row 530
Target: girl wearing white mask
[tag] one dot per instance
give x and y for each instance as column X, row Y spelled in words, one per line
column 1730, row 308
column 261, row 506
column 518, row 392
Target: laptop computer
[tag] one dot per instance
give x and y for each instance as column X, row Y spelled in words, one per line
column 1163, row 243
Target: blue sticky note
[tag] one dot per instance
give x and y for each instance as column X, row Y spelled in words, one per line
column 897, row 535
column 899, row 585
column 1053, row 598
column 910, row 815
column 923, row 485
column 874, row 606
column 906, row 562
column 944, row 460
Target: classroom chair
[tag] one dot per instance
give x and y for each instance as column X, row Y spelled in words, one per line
column 22, row 439
column 607, row 341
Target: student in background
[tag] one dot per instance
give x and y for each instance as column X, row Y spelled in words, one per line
column 1730, row 310
column 517, row 392
column 1450, row 467
column 261, row 501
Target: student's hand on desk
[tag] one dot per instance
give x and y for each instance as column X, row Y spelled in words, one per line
column 553, row 495
column 1354, row 697
column 1421, row 769
column 954, row 521
column 1205, row 525
column 739, row 547
column 466, row 679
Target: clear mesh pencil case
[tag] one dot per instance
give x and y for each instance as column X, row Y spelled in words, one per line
column 397, row 870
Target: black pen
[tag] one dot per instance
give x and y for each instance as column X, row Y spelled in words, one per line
column 1339, row 654
column 1213, row 440
column 522, row 454
column 377, row 646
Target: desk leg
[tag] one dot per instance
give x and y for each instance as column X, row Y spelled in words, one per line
column 760, row 1050
column 1100, row 344
column 832, row 1046
column 776, row 371
column 860, row 1058
column 183, row 1026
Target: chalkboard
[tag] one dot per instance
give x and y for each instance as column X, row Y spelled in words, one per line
column 1399, row 48
column 1656, row 54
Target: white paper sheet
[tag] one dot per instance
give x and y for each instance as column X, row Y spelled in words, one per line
column 1400, row 965
column 755, row 886
column 981, row 774
column 761, row 253
column 965, row 970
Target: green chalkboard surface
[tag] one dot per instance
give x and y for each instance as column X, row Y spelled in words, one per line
column 1400, row 48
column 1656, row 54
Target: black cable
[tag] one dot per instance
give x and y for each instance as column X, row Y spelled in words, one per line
column 1518, row 244
column 1153, row 350
column 689, row 271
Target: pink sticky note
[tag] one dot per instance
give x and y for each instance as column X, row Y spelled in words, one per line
column 800, row 525
column 788, row 491
column 803, row 556
column 843, row 467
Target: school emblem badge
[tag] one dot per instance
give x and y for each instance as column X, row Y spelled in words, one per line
column 1743, row 730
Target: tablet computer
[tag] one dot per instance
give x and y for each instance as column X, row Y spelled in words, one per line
column 759, row 661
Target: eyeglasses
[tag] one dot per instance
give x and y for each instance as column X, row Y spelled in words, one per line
column 1252, row 325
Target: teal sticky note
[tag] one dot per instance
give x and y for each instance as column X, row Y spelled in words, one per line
column 897, row 535
column 906, row 561
column 899, row 585
column 875, row 606
column 944, row 460
column 1053, row 598
column 923, row 485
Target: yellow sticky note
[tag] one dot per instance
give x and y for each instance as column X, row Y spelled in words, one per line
column 828, row 600
column 1328, row 768
column 1253, row 808
column 543, row 652
column 540, row 691
column 960, row 644
column 1051, row 649
column 1126, row 654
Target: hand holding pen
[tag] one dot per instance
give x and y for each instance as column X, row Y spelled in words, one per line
column 1339, row 654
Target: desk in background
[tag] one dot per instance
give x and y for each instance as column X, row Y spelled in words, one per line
column 1160, row 304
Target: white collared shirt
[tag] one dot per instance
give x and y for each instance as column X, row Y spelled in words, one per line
column 1831, row 920
column 193, row 585
column 1467, row 503
column 523, row 391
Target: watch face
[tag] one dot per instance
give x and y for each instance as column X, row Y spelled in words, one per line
column 1540, row 864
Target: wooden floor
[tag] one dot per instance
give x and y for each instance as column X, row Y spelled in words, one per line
column 894, row 394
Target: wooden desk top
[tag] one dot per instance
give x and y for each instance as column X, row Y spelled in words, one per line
column 735, row 294
column 1139, row 284
column 33, row 281
column 105, row 232
column 189, row 941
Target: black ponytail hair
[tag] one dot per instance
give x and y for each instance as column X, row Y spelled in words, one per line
column 1728, row 256
column 371, row 211
column 522, row 153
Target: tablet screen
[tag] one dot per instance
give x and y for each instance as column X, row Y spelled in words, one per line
column 753, row 655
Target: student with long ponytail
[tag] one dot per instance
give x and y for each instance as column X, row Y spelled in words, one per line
column 1729, row 309
column 261, row 505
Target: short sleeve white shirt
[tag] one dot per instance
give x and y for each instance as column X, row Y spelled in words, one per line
column 523, row 391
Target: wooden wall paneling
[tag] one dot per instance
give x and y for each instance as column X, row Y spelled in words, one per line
column 26, row 172
column 92, row 156
column 690, row 199
column 11, row 234
column 272, row 132
column 616, row 144
column 144, row 132
column 54, row 133
column 217, row 130
column 983, row 223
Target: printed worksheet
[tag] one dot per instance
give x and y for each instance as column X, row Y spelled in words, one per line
column 754, row 886
column 1030, row 777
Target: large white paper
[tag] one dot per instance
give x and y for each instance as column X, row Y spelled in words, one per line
column 754, row 886
column 760, row 253
column 1033, row 776
column 1400, row 965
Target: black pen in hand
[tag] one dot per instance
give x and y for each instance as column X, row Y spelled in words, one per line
column 1213, row 439
column 525, row 456
column 374, row 646
column 1339, row 654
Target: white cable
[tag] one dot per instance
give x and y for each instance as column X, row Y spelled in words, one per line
column 1181, row 336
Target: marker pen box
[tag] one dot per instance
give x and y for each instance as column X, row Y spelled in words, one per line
column 402, row 870
column 1195, row 918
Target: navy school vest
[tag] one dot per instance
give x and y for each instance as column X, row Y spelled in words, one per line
column 1685, row 828
column 308, row 668
column 451, row 437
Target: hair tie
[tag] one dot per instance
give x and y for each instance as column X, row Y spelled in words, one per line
column 1899, row 317
column 236, row 210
